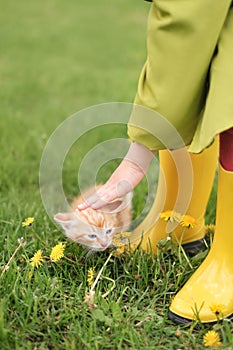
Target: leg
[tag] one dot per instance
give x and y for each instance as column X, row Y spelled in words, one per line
column 226, row 149
column 212, row 283
column 153, row 228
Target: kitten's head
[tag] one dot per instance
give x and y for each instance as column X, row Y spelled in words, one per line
column 95, row 229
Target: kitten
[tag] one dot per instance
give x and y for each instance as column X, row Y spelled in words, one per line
column 95, row 229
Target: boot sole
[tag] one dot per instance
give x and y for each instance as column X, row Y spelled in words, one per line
column 182, row 320
column 178, row 319
column 192, row 248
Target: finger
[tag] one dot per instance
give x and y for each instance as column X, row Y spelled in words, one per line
column 82, row 206
column 103, row 197
column 88, row 202
column 106, row 194
column 111, row 196
column 95, row 199
column 99, row 204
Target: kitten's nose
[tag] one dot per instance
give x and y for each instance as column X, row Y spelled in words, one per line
column 103, row 244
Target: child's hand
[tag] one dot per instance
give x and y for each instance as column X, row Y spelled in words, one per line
column 128, row 174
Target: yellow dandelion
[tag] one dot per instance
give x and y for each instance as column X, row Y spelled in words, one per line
column 28, row 222
column 209, row 229
column 132, row 247
column 178, row 333
column 188, row 221
column 171, row 216
column 211, row 338
column 120, row 238
column 124, row 234
column 37, row 259
column 217, row 309
column 90, row 276
column 117, row 242
column 120, row 247
column 119, row 251
column 57, row 252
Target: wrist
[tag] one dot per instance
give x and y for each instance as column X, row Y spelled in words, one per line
column 140, row 155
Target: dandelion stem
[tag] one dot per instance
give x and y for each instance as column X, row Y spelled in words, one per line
column 6, row 267
column 100, row 272
column 121, row 296
column 186, row 257
column 111, row 289
column 181, row 249
column 72, row 261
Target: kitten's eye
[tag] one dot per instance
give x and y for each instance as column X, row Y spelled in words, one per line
column 108, row 231
column 92, row 236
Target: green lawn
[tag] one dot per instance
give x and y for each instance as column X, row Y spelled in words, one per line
column 57, row 58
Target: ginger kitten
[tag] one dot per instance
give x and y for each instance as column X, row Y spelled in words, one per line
column 95, row 229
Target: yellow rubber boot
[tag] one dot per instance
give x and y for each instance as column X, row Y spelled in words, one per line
column 210, row 289
column 153, row 228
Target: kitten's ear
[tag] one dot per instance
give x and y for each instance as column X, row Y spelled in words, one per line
column 66, row 220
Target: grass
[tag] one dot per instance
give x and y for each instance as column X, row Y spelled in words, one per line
column 58, row 57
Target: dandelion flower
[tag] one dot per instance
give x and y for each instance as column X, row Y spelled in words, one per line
column 132, row 247
column 28, row 222
column 120, row 238
column 90, row 276
column 117, row 242
column 209, row 229
column 178, row 333
column 119, row 251
column 57, row 252
column 37, row 259
column 188, row 221
column 217, row 309
column 120, row 247
column 211, row 338
column 171, row 216
column 124, row 234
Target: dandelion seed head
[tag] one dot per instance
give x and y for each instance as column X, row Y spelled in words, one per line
column 21, row 241
column 89, row 299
